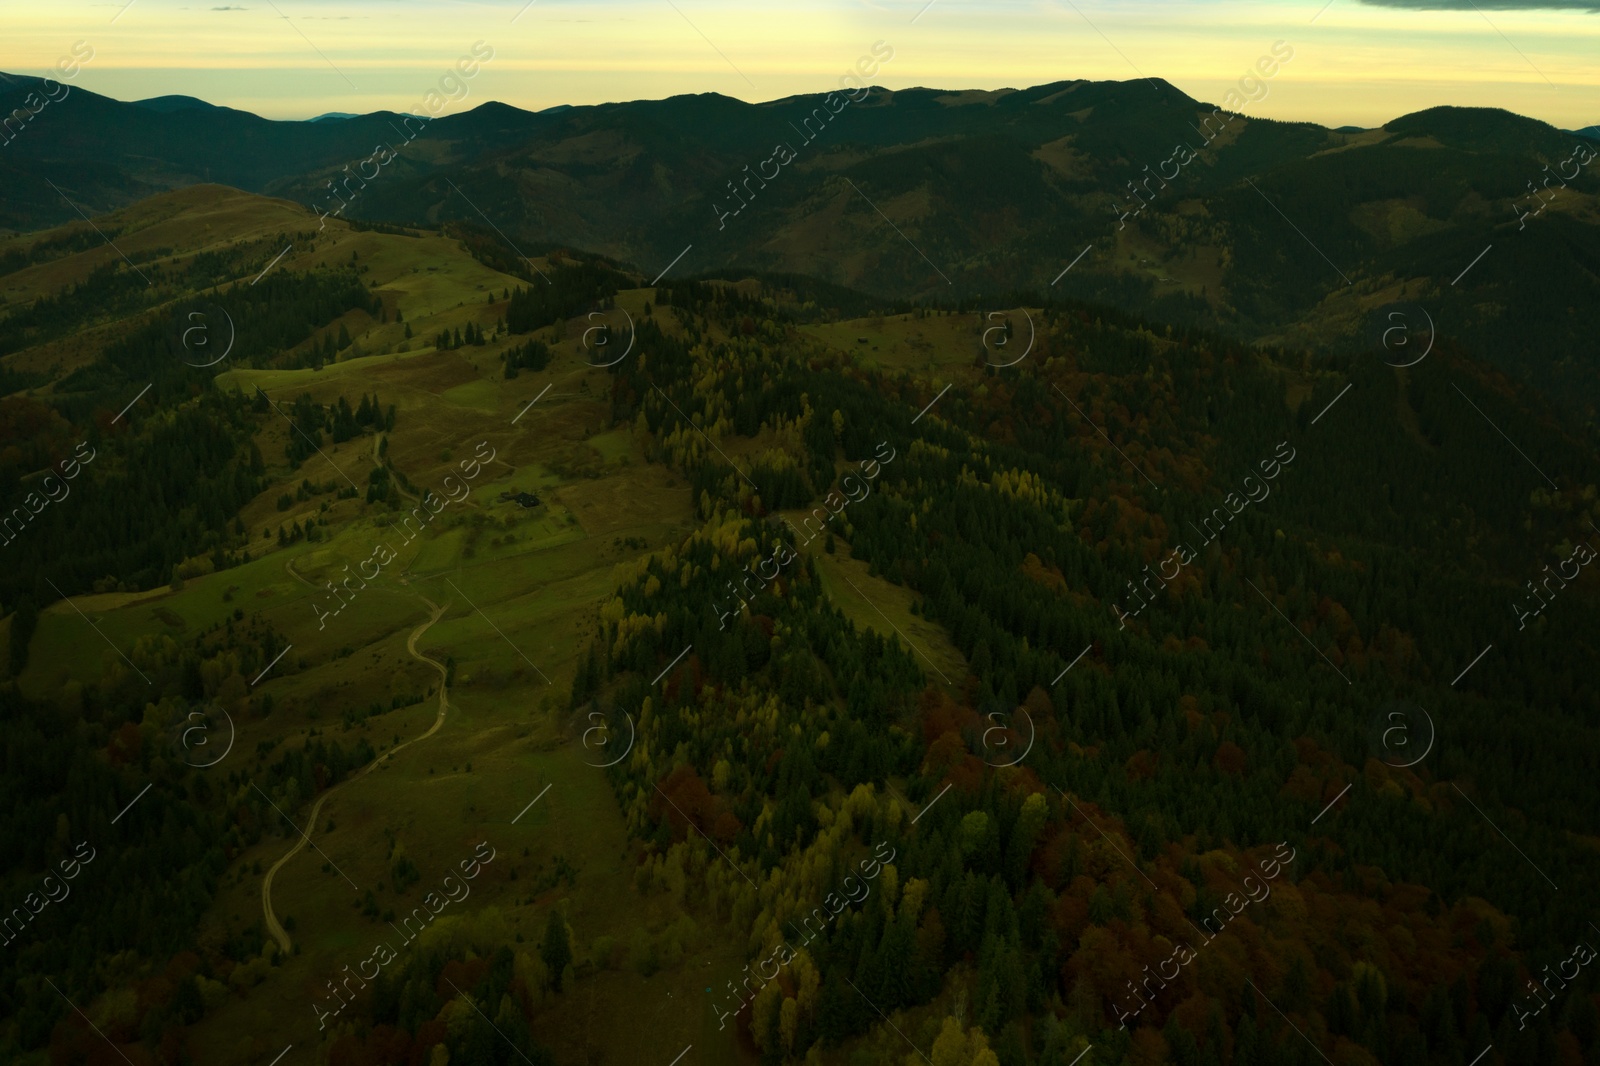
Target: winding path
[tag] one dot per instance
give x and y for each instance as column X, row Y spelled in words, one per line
column 288, row 564
column 273, row 926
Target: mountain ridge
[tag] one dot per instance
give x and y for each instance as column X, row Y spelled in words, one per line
column 1277, row 232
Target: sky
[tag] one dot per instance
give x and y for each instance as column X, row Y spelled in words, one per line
column 1355, row 62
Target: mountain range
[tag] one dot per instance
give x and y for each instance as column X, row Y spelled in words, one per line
column 1284, row 233
column 1026, row 486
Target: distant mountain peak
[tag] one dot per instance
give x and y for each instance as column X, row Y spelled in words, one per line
column 1479, row 129
column 169, row 104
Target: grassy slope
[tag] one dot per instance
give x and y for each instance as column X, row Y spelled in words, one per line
column 522, row 591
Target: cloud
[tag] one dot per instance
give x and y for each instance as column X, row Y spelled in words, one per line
column 1590, row 6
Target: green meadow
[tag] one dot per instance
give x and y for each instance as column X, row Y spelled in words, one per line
column 520, row 590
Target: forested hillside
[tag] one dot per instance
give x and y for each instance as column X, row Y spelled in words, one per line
column 812, row 676
column 1229, row 723
column 1186, row 211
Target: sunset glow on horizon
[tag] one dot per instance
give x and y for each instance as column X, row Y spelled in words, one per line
column 1354, row 63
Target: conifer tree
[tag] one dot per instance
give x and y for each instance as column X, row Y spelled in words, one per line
column 556, row 948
